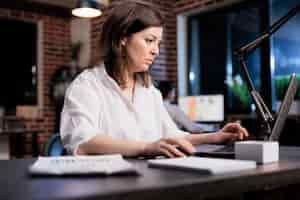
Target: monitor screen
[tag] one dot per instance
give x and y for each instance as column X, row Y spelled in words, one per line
column 203, row 108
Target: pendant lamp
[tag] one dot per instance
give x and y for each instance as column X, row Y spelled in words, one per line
column 87, row 9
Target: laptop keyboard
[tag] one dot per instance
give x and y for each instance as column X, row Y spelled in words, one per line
column 227, row 148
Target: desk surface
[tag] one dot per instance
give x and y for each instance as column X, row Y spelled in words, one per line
column 153, row 183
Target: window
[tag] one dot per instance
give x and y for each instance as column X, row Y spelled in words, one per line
column 212, row 67
column 18, row 77
column 212, row 36
column 285, row 48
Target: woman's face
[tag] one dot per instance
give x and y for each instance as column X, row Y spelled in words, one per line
column 142, row 48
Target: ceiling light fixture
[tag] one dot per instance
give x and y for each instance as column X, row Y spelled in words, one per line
column 87, row 9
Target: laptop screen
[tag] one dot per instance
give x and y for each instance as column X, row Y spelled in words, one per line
column 284, row 108
column 203, row 108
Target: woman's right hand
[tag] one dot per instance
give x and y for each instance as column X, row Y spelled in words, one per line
column 170, row 147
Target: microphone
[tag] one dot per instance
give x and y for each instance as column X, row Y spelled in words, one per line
column 264, row 114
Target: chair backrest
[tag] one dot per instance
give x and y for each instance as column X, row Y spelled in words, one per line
column 54, row 146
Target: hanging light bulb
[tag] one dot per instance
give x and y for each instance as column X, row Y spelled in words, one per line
column 87, row 9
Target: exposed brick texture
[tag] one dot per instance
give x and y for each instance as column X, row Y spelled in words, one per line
column 56, row 51
column 187, row 5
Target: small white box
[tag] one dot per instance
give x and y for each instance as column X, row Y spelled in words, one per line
column 259, row 151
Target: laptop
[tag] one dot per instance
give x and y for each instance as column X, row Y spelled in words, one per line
column 227, row 151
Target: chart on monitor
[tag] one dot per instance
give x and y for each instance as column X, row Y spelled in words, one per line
column 203, row 108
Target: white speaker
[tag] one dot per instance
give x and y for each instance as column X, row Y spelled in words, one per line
column 259, row 151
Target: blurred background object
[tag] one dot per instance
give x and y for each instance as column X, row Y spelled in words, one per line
column 87, row 8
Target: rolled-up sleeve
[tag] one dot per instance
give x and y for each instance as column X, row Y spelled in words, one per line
column 80, row 116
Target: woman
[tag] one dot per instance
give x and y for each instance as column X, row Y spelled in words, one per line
column 114, row 108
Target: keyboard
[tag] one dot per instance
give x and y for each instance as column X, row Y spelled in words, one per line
column 227, row 148
column 203, row 165
column 219, row 151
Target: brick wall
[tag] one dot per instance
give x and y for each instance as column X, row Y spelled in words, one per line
column 187, row 5
column 56, row 52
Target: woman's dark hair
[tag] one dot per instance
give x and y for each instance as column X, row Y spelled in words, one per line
column 122, row 19
column 165, row 88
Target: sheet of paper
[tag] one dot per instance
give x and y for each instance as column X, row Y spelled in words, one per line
column 103, row 164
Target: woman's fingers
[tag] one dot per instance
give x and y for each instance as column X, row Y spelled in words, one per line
column 178, row 147
column 245, row 132
column 186, row 147
column 166, row 153
column 232, row 127
column 183, row 145
column 230, row 137
column 236, row 128
column 171, row 149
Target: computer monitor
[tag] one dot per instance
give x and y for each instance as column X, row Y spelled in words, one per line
column 203, row 108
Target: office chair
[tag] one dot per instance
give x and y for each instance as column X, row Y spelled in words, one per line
column 53, row 146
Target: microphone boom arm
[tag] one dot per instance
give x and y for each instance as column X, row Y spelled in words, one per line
column 261, row 108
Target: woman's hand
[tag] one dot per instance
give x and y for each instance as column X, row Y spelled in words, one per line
column 230, row 133
column 170, row 147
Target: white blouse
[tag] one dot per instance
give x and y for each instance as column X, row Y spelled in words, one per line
column 94, row 104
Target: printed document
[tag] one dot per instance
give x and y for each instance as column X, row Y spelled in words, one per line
column 67, row 165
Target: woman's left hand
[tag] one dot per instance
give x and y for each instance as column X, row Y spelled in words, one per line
column 230, row 133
